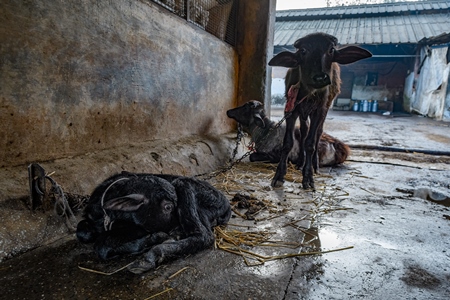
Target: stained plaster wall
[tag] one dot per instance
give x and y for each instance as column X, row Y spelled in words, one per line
column 83, row 76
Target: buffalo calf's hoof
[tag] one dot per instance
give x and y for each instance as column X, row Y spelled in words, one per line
column 277, row 183
column 308, row 183
column 140, row 266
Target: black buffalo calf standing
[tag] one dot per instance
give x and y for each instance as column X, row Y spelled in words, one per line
column 165, row 216
column 312, row 83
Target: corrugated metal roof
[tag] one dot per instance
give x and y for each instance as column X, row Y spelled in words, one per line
column 397, row 23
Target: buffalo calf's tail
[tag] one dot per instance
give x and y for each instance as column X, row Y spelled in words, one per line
column 342, row 151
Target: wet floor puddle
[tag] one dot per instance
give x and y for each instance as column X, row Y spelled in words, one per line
column 273, row 224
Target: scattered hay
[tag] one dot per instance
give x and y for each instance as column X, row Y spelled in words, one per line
column 234, row 241
column 249, row 184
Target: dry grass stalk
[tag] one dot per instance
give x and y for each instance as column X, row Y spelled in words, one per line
column 366, row 190
column 261, row 259
column 270, row 217
column 178, row 272
column 240, row 225
column 238, row 213
column 295, row 221
column 159, row 294
column 103, row 273
column 283, row 244
column 305, row 231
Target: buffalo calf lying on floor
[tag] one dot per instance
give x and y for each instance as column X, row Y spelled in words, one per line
column 268, row 138
column 166, row 216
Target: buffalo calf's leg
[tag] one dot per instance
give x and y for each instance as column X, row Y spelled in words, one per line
column 317, row 118
column 288, row 143
column 126, row 238
column 304, row 127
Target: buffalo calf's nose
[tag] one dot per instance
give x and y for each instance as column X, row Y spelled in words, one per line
column 322, row 78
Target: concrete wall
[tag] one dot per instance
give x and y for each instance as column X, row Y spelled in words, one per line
column 82, row 76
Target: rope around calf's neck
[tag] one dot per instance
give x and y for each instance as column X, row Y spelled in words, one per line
column 250, row 146
column 107, row 223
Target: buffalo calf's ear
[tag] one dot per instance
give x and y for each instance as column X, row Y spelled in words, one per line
column 284, row 59
column 130, row 202
column 350, row 54
column 259, row 120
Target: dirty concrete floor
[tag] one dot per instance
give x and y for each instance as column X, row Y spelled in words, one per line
column 390, row 241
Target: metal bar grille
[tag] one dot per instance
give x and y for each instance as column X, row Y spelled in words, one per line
column 218, row 17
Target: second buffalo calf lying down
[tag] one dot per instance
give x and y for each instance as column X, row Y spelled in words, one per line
column 268, row 138
column 162, row 216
